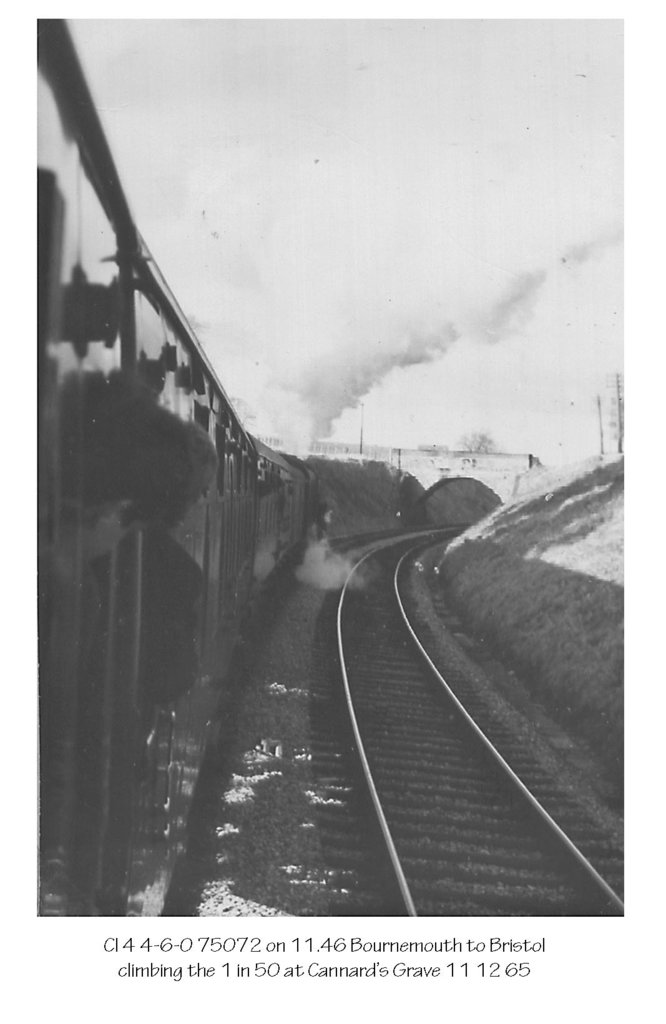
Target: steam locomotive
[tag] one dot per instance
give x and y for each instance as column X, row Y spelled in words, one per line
column 158, row 517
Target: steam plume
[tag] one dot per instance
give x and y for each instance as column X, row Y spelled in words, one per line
column 578, row 254
column 339, row 380
column 517, row 305
column 306, row 396
column 325, row 569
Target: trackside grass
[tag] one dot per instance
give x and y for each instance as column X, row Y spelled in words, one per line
column 360, row 496
column 541, row 581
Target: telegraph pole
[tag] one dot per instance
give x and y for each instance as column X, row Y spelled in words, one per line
column 616, row 382
column 619, row 387
column 601, row 424
column 360, row 446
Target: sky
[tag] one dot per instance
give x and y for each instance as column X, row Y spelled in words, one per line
column 413, row 223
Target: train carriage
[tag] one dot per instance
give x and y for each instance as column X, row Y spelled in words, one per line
column 149, row 511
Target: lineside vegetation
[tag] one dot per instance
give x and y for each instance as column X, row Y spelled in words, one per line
column 360, row 496
column 542, row 583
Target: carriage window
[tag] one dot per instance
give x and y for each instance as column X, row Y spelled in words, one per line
column 219, row 444
column 77, row 254
column 201, row 416
column 50, row 227
column 150, row 338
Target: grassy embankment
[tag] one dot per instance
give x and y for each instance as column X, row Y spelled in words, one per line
column 541, row 580
column 361, row 497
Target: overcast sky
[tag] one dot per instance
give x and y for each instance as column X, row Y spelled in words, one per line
column 422, row 216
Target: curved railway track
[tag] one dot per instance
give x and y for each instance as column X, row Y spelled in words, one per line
column 464, row 824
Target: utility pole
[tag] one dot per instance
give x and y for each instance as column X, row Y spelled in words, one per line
column 601, row 424
column 616, row 382
column 619, row 386
column 360, row 446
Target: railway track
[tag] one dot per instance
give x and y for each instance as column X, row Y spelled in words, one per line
column 470, row 829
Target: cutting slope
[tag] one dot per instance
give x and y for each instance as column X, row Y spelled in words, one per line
column 542, row 581
column 359, row 496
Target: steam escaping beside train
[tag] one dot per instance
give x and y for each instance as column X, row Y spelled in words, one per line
column 158, row 517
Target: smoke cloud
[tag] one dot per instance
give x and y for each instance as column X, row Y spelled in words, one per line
column 336, row 379
column 326, row 569
column 312, row 387
column 516, row 306
column 339, row 380
column 514, row 310
column 578, row 254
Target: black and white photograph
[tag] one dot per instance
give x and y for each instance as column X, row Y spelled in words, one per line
column 331, row 468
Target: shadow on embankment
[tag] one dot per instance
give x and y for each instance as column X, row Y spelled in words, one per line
column 560, row 630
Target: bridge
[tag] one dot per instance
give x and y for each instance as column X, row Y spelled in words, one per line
column 498, row 470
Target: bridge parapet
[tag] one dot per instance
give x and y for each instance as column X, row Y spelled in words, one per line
column 498, row 470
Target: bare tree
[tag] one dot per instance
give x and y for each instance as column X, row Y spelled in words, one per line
column 477, row 441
